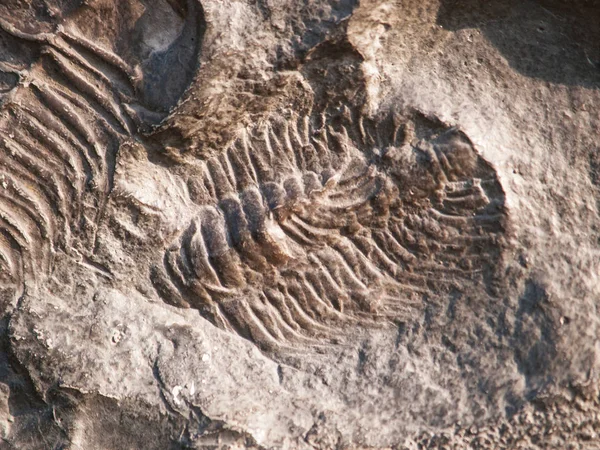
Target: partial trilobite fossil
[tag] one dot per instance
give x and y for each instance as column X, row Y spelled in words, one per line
column 308, row 222
column 94, row 76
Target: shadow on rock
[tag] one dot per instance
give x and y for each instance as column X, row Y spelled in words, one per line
column 555, row 41
column 535, row 337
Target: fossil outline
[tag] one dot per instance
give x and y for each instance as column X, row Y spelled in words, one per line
column 310, row 222
column 63, row 123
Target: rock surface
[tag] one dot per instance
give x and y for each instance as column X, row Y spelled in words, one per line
column 317, row 224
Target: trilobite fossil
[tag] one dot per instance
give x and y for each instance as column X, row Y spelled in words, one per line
column 307, row 222
column 78, row 80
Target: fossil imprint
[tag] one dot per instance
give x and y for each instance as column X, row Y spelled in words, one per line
column 306, row 222
column 309, row 223
column 62, row 121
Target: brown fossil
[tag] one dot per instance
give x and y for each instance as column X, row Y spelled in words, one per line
column 65, row 114
column 303, row 226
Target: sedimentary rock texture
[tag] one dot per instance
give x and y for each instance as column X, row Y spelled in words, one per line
column 318, row 224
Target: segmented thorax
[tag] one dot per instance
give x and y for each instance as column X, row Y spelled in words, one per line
column 305, row 224
column 92, row 81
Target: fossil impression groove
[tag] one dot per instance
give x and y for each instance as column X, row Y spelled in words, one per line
column 62, row 123
column 308, row 223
